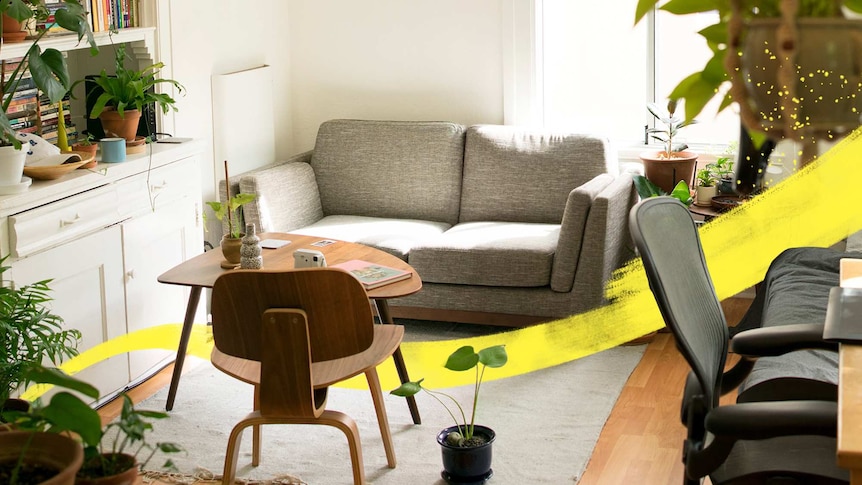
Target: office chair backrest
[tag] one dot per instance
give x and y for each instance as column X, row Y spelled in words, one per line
column 668, row 241
column 336, row 305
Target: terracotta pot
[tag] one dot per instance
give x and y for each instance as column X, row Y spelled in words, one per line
column 125, row 126
column 91, row 148
column 666, row 173
column 51, row 450
column 13, row 31
column 230, row 247
column 130, row 475
column 467, row 464
column 827, row 60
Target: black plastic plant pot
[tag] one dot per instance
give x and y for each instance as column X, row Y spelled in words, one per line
column 467, row 465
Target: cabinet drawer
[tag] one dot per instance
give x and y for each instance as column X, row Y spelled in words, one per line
column 52, row 224
column 163, row 185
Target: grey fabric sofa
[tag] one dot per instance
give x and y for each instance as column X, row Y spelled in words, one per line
column 503, row 225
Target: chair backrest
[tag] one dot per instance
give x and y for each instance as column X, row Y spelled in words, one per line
column 335, row 304
column 668, row 241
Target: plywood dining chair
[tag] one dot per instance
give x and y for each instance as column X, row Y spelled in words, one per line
column 292, row 335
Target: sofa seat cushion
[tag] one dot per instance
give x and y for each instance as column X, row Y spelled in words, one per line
column 395, row 236
column 489, row 254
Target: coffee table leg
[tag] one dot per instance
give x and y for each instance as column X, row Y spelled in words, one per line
column 386, row 318
column 191, row 308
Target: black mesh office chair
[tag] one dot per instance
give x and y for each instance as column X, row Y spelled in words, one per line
column 775, row 442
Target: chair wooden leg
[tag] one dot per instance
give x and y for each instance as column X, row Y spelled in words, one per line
column 382, row 418
column 255, row 431
column 329, row 418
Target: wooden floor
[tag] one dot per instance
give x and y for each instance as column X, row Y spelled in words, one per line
column 641, row 440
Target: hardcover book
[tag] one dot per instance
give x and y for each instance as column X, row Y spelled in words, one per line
column 373, row 275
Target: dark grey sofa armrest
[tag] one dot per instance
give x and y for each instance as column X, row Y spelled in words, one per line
column 780, row 339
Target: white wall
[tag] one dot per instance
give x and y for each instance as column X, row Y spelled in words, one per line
column 225, row 36
column 393, row 59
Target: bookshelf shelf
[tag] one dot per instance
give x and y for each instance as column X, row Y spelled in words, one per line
column 66, row 43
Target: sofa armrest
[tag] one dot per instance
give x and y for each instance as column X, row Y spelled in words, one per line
column 572, row 231
column 287, row 195
column 607, row 243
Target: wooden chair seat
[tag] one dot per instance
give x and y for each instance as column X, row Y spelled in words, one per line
column 387, row 338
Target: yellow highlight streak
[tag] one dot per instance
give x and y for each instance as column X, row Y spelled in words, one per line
column 817, row 206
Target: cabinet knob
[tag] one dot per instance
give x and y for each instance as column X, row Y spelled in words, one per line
column 130, row 274
column 69, row 222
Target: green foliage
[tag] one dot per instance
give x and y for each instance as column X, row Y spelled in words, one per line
column 647, row 189
column 221, row 211
column 131, row 88
column 700, row 87
column 48, row 68
column 29, row 333
column 672, row 125
column 463, row 359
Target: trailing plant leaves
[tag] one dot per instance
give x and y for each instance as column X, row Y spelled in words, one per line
column 462, row 359
column 494, row 356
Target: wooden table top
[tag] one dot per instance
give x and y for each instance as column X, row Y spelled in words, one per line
column 202, row 270
column 850, row 388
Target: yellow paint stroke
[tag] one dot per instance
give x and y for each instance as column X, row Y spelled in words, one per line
column 817, row 206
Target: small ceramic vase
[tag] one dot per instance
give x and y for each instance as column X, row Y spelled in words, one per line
column 250, row 252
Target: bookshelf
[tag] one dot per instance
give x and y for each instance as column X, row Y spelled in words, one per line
column 141, row 36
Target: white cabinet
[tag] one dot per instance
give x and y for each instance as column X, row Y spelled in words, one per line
column 103, row 237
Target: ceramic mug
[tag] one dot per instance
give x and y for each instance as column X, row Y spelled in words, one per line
column 113, row 149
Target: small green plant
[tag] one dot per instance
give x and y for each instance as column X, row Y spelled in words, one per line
column 673, row 124
column 226, row 211
column 127, row 438
column 723, row 167
column 647, row 189
column 463, row 359
column 131, row 88
column 706, row 177
column 86, row 140
column 29, row 333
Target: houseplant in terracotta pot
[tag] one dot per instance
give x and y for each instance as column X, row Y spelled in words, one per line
column 225, row 212
column 672, row 163
column 126, row 93
column 466, row 447
column 49, row 72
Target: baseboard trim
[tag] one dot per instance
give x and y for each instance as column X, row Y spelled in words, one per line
column 464, row 316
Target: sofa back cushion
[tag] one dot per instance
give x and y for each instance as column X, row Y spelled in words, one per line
column 517, row 175
column 393, row 169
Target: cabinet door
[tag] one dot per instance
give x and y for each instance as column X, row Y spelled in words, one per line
column 153, row 244
column 87, row 288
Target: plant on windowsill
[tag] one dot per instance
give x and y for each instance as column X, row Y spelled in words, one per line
column 125, row 94
column 466, row 446
column 706, row 188
column 748, row 49
column 48, row 70
column 668, row 166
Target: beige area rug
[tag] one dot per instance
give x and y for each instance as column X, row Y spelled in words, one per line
column 547, row 423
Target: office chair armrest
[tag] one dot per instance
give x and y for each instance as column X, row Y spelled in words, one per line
column 770, row 419
column 771, row 341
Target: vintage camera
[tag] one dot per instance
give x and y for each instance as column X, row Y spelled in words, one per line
column 308, row 258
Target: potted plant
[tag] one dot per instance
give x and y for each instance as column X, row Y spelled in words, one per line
column 668, row 166
column 706, row 187
column 31, row 333
column 86, row 143
column 125, row 94
column 465, row 447
column 49, row 72
column 824, row 43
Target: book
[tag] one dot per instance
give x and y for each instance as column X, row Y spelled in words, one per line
column 373, row 275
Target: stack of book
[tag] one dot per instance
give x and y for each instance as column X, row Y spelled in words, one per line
column 30, row 111
column 49, row 119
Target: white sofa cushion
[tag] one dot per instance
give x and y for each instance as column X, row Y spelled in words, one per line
column 489, row 253
column 395, row 236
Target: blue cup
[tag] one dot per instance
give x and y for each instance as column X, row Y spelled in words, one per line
column 113, row 149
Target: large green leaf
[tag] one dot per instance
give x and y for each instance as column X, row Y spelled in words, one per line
column 462, row 359
column 683, row 7
column 854, row 5
column 408, row 389
column 50, row 72
column 50, row 375
column 494, row 356
column 643, row 8
column 67, row 412
column 646, row 188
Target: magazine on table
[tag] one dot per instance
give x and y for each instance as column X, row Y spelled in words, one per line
column 373, row 275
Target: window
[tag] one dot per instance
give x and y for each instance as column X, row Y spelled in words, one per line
column 596, row 71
